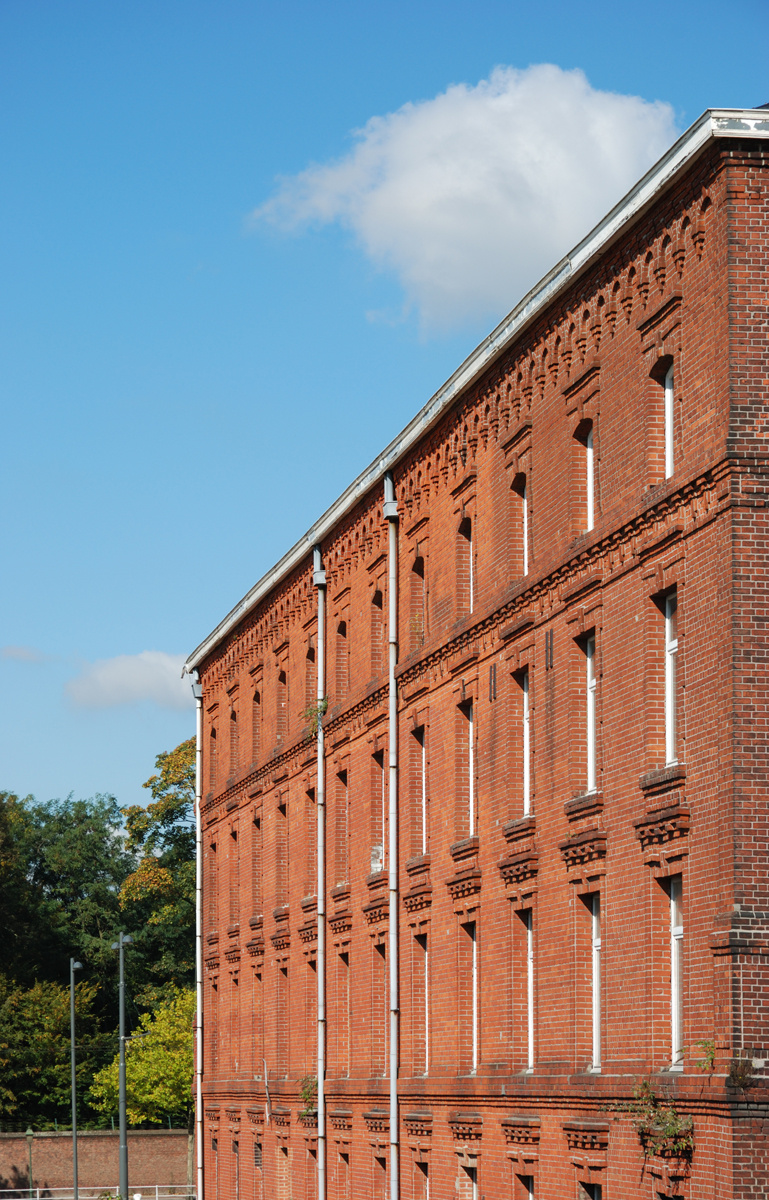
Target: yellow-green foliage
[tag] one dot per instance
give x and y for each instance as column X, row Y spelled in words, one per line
column 159, row 1065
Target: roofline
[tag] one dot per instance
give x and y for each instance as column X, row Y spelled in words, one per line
column 714, row 123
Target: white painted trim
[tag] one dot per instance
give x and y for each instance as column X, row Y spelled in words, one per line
column 595, row 931
column 589, row 481
column 669, row 401
column 714, row 123
column 591, row 713
column 526, row 743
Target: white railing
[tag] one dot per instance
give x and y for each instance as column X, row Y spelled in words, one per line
column 155, row 1191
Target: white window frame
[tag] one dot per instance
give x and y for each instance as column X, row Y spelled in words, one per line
column 525, row 511
column 669, row 402
column 526, row 709
column 422, row 740
column 470, row 567
column 472, row 1172
column 379, row 850
column 427, row 1007
column 671, row 677
column 590, row 697
column 595, row 944
column 589, row 481
column 472, row 933
column 676, row 974
column 528, row 920
column 472, row 815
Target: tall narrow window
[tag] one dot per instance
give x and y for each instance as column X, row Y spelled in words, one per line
column 282, row 700
column 671, row 677
column 234, row 742
column 380, row 1009
column 310, row 675
column 311, row 834
column 669, row 423
column 420, row 1004
column 212, row 759
column 213, row 888
column 589, row 481
column 417, row 621
column 528, row 920
column 526, row 743
column 234, row 874
column 420, row 834
column 281, row 854
column 520, row 522
column 281, row 1019
column 377, row 633
column 257, row 1024
column 473, row 1014
column 378, row 810
column 342, row 862
column 676, row 975
column 466, row 566
column 310, row 1014
column 595, row 938
column 583, row 477
column 256, row 865
column 342, row 660
column 466, row 792
column 525, row 527
column 421, row 1182
column 256, row 724
column 591, row 711
column 468, row 1183
column 340, row 1029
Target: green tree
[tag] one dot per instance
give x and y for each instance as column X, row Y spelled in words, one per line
column 35, row 1048
column 159, row 1065
column 21, row 902
column 158, row 897
column 78, row 863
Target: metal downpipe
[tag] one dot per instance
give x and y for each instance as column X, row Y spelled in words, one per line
column 319, row 579
column 391, row 515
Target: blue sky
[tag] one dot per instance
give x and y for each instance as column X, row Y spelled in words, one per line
column 219, row 301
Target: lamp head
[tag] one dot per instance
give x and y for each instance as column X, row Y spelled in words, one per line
column 76, row 966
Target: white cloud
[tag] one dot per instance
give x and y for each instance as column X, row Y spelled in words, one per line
column 472, row 196
column 129, row 678
column 26, row 654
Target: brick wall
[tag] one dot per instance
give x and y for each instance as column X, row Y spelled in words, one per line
column 154, row 1157
column 505, row 894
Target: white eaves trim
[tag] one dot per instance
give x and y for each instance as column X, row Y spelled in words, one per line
column 714, row 123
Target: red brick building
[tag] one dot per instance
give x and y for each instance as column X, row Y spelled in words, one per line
column 504, row 888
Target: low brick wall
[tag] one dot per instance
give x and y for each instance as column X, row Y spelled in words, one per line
column 156, row 1156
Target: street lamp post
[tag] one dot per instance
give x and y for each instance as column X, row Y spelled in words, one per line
column 73, row 966
column 30, row 1138
column 124, row 939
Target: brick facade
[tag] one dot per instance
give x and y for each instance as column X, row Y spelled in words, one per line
column 583, row 823
column 156, row 1158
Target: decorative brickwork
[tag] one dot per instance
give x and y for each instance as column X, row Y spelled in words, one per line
column 582, row 885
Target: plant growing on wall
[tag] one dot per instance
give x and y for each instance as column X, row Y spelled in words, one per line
column 313, row 715
column 661, row 1128
column 708, row 1060
column 308, row 1090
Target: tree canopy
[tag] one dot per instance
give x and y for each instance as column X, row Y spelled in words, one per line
column 73, row 873
column 159, row 1065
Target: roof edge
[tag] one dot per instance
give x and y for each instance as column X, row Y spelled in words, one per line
column 714, row 123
